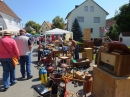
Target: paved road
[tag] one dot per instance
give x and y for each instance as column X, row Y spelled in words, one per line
column 23, row 88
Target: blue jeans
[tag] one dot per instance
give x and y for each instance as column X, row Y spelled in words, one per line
column 8, row 72
column 76, row 52
column 25, row 61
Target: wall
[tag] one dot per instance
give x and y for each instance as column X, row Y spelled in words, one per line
column 89, row 17
column 12, row 25
column 126, row 40
column 44, row 28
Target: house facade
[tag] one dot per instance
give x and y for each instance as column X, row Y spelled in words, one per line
column 124, row 37
column 89, row 15
column 46, row 26
column 8, row 19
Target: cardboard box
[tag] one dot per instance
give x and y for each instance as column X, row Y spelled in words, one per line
column 79, row 75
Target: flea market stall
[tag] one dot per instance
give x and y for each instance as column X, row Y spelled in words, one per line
column 59, row 32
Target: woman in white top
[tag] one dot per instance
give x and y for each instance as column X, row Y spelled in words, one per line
column 60, row 39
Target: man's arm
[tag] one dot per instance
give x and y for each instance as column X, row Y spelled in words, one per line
column 29, row 45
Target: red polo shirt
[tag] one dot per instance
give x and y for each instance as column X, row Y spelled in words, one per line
column 11, row 45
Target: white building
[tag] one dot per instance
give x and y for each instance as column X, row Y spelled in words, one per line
column 125, row 38
column 8, row 19
column 89, row 15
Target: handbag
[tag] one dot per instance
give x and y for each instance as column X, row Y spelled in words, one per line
column 14, row 58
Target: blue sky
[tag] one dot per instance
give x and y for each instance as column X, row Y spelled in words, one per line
column 46, row 10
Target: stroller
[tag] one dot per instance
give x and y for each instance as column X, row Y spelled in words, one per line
column 46, row 58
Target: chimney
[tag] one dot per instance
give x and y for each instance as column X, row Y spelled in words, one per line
column 76, row 6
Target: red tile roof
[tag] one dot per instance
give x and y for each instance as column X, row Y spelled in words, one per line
column 4, row 8
column 110, row 22
column 49, row 24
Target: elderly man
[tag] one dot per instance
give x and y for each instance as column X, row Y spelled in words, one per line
column 8, row 49
column 24, row 45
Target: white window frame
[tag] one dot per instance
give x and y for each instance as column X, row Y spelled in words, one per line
column 91, row 8
column 9, row 20
column 96, row 20
column 80, row 19
column 86, row 8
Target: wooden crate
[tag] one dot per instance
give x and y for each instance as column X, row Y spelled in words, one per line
column 89, row 53
column 107, row 85
column 114, row 63
column 87, row 34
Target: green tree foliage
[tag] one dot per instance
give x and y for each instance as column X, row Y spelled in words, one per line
column 114, row 32
column 34, row 25
column 58, row 22
column 123, row 18
column 77, row 33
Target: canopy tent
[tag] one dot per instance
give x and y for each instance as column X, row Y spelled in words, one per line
column 59, row 31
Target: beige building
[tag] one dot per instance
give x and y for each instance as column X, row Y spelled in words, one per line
column 46, row 26
column 89, row 15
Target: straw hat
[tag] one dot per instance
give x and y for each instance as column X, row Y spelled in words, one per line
column 6, row 32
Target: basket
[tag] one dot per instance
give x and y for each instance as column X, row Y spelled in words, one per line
column 56, row 77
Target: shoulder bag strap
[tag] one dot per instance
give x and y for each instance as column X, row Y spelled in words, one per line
column 5, row 47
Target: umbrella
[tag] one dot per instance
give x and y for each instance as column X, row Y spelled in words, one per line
column 28, row 34
column 36, row 34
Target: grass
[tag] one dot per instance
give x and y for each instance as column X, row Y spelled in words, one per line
column 129, row 47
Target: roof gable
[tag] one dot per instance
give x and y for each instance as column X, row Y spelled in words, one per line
column 4, row 8
column 125, row 33
column 82, row 4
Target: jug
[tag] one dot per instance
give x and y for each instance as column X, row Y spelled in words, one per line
column 43, row 74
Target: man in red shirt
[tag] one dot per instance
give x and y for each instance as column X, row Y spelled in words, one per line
column 8, row 49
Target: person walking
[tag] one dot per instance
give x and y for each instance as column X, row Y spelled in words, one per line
column 8, row 49
column 75, row 48
column 24, row 46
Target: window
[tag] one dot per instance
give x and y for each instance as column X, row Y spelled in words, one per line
column 91, row 30
column 80, row 19
column 9, row 21
column 85, row 8
column 91, row 8
column 17, row 22
column 96, row 19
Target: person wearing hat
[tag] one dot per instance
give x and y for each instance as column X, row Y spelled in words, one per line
column 24, row 46
column 8, row 49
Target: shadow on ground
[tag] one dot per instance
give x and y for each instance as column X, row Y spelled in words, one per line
column 21, row 79
column 1, row 85
column 36, row 79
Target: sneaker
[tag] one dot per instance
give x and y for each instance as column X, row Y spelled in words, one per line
column 29, row 77
column 13, row 83
column 5, row 89
column 23, row 77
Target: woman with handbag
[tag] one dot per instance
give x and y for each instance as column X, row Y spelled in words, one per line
column 8, row 51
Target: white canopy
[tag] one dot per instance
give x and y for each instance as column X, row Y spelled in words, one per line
column 58, row 31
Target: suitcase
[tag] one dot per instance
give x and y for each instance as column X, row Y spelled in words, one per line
column 41, row 91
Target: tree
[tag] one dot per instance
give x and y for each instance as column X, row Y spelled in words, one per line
column 34, row 25
column 123, row 18
column 58, row 22
column 77, row 33
column 114, row 32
